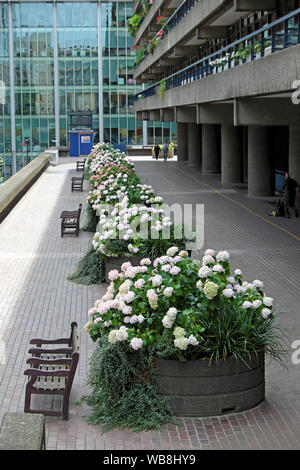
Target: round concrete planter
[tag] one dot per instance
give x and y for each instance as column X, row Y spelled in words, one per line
column 116, row 263
column 193, row 388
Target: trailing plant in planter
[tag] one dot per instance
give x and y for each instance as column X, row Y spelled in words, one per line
column 133, row 24
column 181, row 309
column 123, row 392
column 140, row 54
column 162, row 88
column 90, row 269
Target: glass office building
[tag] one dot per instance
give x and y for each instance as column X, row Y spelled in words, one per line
column 57, row 57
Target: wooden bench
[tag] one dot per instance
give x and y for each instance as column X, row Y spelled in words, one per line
column 70, row 222
column 77, row 183
column 22, row 431
column 52, row 371
column 80, row 166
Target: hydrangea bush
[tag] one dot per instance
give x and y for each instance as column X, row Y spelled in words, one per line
column 183, row 308
column 113, row 183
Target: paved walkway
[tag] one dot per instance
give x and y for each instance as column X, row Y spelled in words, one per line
column 36, row 300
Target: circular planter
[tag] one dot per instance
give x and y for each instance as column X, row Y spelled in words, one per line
column 116, row 263
column 193, row 388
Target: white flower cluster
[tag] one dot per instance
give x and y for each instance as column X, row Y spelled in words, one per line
column 118, row 225
column 214, row 264
column 181, row 342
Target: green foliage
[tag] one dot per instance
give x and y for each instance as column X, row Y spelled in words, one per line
column 92, row 220
column 90, row 270
column 162, row 88
column 152, row 44
column 133, row 24
column 155, row 248
column 230, row 331
column 123, row 392
column 140, row 55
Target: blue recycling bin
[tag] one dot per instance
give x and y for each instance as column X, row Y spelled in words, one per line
column 81, row 142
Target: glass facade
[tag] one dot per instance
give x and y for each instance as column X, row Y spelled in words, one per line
column 73, row 56
column 5, row 120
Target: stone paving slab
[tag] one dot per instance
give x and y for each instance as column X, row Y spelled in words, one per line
column 37, row 300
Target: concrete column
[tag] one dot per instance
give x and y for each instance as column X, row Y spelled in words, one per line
column 231, row 154
column 294, row 153
column 260, row 171
column 182, row 141
column 294, row 157
column 145, row 132
column 210, row 148
column 194, row 145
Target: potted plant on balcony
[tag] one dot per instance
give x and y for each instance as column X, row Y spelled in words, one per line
column 133, row 24
column 162, row 88
column 202, row 331
column 257, row 50
column 268, row 48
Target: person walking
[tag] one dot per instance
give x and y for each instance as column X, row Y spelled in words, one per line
column 289, row 196
column 156, row 151
column 165, row 150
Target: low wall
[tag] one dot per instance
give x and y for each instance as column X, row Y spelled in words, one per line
column 12, row 190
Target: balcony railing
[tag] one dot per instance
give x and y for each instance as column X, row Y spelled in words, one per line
column 278, row 35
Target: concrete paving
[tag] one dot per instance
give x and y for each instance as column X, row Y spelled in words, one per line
column 37, row 300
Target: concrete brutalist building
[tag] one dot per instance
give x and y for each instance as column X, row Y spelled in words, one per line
column 228, row 73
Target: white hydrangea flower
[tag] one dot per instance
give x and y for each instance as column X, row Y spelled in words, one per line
column 204, row 272
column 157, row 280
column 167, row 322
column 172, row 313
column 181, row 343
column 183, row 254
column 168, row 291
column 210, row 252
column 122, row 334
column 266, row 312
column 257, row 284
column 172, row 251
column 136, row 343
column 257, row 303
column 247, row 304
column 129, row 297
column 193, row 341
column 112, row 337
column 268, row 301
column 228, row 293
column 218, row 268
column 207, row 259
column 139, row 283
column 223, row 256
column 175, row 270
column 179, row 332
column 210, row 290
column 238, row 272
column 127, row 310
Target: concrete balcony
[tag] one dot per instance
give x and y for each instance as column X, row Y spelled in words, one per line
column 199, row 22
column 200, row 13
column 159, row 7
column 271, row 77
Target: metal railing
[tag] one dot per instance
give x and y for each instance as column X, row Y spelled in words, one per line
column 278, row 35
